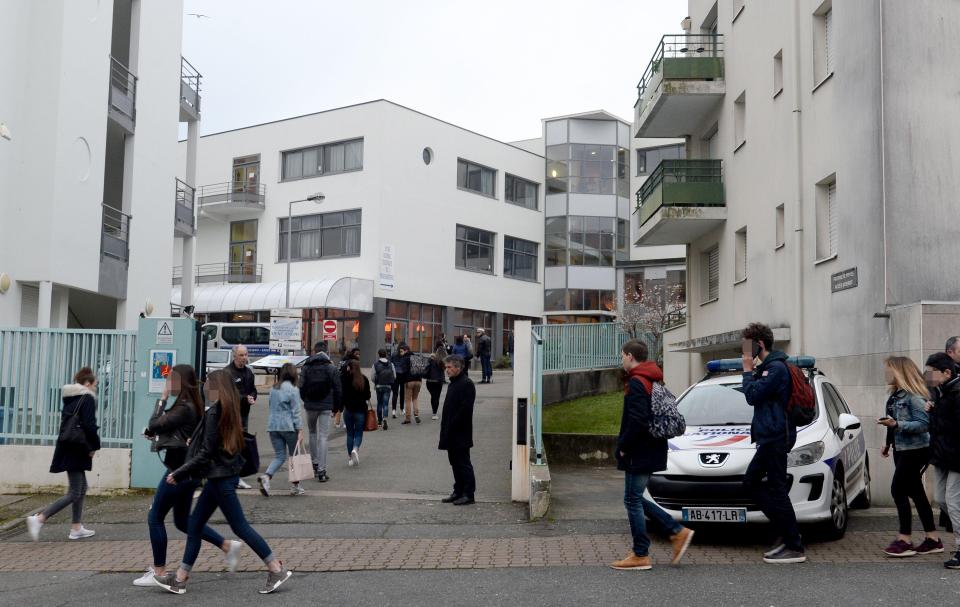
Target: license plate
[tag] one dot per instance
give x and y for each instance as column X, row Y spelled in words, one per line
column 714, row 515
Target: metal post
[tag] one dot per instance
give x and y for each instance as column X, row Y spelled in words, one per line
column 289, row 225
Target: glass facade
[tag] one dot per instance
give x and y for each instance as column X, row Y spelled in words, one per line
column 420, row 325
column 667, row 287
column 559, row 300
column 348, row 329
column 584, row 240
column 588, row 169
column 466, row 322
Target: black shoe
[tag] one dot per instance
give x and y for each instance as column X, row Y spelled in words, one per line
column 417, row 417
column 406, row 421
column 464, row 501
column 322, row 476
column 953, row 563
column 450, row 498
column 384, row 424
column 786, row 556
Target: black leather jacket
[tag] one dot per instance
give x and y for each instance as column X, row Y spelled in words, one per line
column 206, row 457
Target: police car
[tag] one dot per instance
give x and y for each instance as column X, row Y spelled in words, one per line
column 828, row 469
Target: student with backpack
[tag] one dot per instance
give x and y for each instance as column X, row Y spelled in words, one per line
column 767, row 388
column 639, row 454
column 320, row 390
column 383, row 376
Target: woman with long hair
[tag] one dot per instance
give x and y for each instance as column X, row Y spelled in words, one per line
column 73, row 454
column 356, row 395
column 170, row 429
column 285, row 425
column 214, row 455
column 908, row 426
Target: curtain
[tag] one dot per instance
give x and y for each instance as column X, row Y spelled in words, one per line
column 353, row 155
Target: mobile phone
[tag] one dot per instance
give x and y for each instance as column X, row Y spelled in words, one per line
column 883, row 419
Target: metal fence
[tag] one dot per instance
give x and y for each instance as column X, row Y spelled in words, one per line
column 35, row 364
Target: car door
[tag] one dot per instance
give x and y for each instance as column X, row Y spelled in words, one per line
column 851, row 441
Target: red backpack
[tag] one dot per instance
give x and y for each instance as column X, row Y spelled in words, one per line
column 802, row 406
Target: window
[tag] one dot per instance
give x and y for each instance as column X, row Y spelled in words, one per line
column 778, row 73
column 710, row 275
column 476, row 178
column 592, row 241
column 739, row 121
column 466, row 322
column 827, row 218
column 521, row 192
column 243, row 251
column 325, row 159
column 648, row 159
column 588, row 169
column 519, row 258
column 251, row 336
column 475, row 249
column 246, row 173
column 824, row 45
column 420, row 325
column 427, row 155
column 623, row 226
column 737, row 8
column 780, row 227
column 741, row 252
column 321, row 236
column 556, row 241
column 558, row 300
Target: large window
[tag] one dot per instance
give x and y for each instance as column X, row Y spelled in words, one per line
column 475, row 249
column 321, row 236
column 476, row 178
column 649, row 158
column 466, row 322
column 556, row 241
column 324, row 159
column 420, row 325
column 521, row 192
column 558, row 300
column 588, row 169
column 664, row 287
column 519, row 258
column 582, row 241
column 243, row 250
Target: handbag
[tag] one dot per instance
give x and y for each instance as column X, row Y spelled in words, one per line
column 371, row 424
column 251, row 455
column 301, row 465
column 71, row 432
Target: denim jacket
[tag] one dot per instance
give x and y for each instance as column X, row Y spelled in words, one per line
column 285, row 408
column 913, row 423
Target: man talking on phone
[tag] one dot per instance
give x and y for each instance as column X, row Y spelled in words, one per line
column 767, row 386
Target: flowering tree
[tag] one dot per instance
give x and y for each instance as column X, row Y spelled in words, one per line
column 648, row 312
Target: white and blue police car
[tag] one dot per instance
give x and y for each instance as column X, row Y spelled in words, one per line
column 828, row 469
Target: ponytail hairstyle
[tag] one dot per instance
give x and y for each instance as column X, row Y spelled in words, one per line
column 230, row 426
column 189, row 388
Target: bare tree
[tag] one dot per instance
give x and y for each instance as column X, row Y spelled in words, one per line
column 648, row 312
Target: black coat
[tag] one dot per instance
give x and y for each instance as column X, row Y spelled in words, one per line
column 80, row 400
column 945, row 426
column 355, row 400
column 246, row 385
column 320, row 387
column 206, row 457
column 179, row 420
column 456, row 425
column 642, row 453
column 484, row 345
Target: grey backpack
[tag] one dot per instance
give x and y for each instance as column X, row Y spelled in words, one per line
column 666, row 421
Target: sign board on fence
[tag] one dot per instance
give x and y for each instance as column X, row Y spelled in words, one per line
column 329, row 330
column 164, row 333
column 286, row 329
column 841, row 281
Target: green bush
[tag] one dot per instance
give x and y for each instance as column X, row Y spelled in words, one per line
column 588, row 415
column 503, row 362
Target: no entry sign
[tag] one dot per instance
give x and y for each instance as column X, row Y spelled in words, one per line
column 329, row 330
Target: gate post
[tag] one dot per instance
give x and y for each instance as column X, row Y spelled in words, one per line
column 522, row 392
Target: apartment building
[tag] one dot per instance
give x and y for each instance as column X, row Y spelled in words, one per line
column 91, row 97
column 816, row 194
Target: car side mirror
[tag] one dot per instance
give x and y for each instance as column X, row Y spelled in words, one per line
column 848, row 422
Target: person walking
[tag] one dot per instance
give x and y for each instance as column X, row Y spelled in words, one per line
column 285, row 425
column 73, row 453
column 945, row 440
column 356, row 398
column 411, row 386
column 245, row 383
column 461, row 348
column 907, row 426
column 320, row 391
column 214, row 455
column 639, row 455
column 401, row 367
column 435, row 376
column 485, row 351
column 456, row 431
column 384, row 374
column 470, row 351
column 171, row 428
column 952, row 348
column 767, row 388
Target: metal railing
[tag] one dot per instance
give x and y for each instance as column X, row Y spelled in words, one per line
column 185, row 195
column 189, row 85
column 123, row 90
column 115, row 234
column 677, row 46
column 35, row 364
column 681, row 171
column 229, row 272
column 675, row 319
column 231, row 191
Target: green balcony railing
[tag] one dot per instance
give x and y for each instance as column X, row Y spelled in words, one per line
column 681, row 183
column 681, row 57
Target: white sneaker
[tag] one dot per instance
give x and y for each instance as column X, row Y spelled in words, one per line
column 355, row 457
column 33, row 526
column 243, row 485
column 433, row 417
column 297, row 490
column 264, row 481
column 146, row 579
column 350, row 462
column 81, row 533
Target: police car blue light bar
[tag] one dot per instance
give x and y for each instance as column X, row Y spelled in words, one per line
column 725, row 365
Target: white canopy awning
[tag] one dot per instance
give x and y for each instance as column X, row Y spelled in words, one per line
column 344, row 293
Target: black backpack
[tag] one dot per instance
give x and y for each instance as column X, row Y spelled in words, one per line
column 316, row 381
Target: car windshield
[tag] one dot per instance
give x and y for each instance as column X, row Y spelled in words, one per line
column 715, row 405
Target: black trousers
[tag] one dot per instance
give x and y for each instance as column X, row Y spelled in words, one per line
column 397, row 389
column 464, row 483
column 435, row 388
column 907, row 485
column 766, row 481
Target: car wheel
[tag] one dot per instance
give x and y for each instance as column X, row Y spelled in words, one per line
column 836, row 527
column 865, row 499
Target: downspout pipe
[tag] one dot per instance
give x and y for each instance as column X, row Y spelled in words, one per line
column 797, row 333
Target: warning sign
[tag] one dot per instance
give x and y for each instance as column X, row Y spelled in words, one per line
column 329, row 330
column 164, row 333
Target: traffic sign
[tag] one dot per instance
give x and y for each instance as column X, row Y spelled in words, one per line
column 329, row 330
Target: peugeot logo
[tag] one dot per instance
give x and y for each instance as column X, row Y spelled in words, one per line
column 713, row 460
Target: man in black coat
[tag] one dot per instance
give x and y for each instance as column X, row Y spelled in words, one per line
column 456, row 431
column 244, row 381
column 945, row 440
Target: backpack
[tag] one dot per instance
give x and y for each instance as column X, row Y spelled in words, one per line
column 384, row 374
column 802, row 407
column 667, row 422
column 315, row 382
column 419, row 365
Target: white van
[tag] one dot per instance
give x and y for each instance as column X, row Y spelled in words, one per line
column 225, row 335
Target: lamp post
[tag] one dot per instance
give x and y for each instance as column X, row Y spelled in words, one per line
column 317, row 198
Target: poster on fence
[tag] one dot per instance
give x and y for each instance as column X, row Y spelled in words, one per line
column 161, row 364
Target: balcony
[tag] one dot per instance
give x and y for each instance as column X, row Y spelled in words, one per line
column 681, row 201
column 682, row 84
column 221, row 273
column 122, row 107
column 232, row 198
column 114, row 252
column 189, row 92
column 183, row 218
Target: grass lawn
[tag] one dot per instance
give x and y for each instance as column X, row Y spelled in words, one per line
column 588, row 415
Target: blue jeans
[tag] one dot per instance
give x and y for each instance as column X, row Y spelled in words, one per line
column 221, row 493
column 283, row 443
column 638, row 506
column 178, row 497
column 383, row 402
column 487, row 368
column 354, row 422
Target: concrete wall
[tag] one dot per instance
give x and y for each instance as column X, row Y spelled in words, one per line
column 26, row 470
column 558, row 387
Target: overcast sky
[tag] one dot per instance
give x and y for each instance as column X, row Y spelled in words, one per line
column 496, row 67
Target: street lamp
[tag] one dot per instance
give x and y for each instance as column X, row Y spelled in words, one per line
column 317, row 198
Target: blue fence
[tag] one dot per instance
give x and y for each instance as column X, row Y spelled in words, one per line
column 35, row 364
